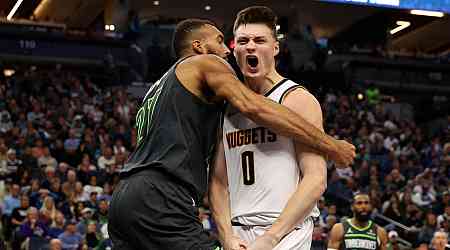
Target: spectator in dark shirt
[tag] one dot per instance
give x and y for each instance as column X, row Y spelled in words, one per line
column 33, row 226
column 57, row 226
column 19, row 214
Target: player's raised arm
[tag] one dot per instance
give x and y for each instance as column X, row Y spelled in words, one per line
column 219, row 76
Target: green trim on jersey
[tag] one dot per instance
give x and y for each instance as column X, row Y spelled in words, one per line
column 358, row 228
column 361, row 235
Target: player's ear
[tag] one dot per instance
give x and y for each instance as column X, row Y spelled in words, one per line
column 197, row 46
column 276, row 48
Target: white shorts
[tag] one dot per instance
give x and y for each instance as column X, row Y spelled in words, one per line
column 299, row 239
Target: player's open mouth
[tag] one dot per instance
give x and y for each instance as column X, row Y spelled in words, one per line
column 252, row 61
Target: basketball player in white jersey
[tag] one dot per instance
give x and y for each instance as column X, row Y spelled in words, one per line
column 264, row 187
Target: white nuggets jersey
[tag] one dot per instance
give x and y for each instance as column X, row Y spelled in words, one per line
column 262, row 166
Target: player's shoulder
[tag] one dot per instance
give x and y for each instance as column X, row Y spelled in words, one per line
column 338, row 229
column 301, row 96
column 205, row 60
column 298, row 90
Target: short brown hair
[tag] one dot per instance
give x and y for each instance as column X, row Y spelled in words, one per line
column 257, row 15
column 183, row 33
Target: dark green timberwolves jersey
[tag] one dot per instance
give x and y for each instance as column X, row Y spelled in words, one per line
column 356, row 238
column 176, row 134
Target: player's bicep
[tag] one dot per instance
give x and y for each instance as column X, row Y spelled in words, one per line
column 335, row 236
column 305, row 105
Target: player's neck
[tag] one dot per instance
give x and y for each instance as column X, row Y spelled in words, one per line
column 264, row 84
column 359, row 223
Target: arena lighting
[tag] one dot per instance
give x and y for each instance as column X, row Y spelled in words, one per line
column 156, row 3
column 8, row 72
column 14, row 9
column 106, row 27
column 207, row 7
column 401, row 26
column 427, row 13
column 360, row 96
column 112, row 27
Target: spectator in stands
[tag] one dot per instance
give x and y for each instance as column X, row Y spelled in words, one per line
column 19, row 214
column 92, row 237
column 71, row 144
column 440, row 241
column 427, row 231
column 71, row 179
column 85, row 170
column 5, row 119
column 397, row 180
column 55, row 244
column 48, row 210
column 92, row 186
column 92, row 201
column 70, row 238
column 32, row 227
column 119, row 147
column 444, row 216
column 424, row 194
column 106, row 159
column 101, row 214
column 57, row 226
column 78, row 126
column 46, row 160
column 12, row 164
column 69, row 206
column 393, row 243
column 11, row 201
column 391, row 208
column 49, row 176
column 86, row 217
column 3, row 157
column 78, row 192
column 107, row 192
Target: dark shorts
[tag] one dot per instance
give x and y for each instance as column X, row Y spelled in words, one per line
column 148, row 211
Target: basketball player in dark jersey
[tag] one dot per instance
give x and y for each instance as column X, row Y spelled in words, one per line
column 358, row 232
column 155, row 205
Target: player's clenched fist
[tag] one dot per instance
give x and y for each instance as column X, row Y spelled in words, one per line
column 344, row 154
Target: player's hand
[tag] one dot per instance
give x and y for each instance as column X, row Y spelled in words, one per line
column 233, row 242
column 266, row 241
column 344, row 155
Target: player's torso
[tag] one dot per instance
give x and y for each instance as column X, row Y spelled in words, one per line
column 359, row 238
column 176, row 132
column 262, row 166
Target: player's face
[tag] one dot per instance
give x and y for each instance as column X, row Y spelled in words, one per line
column 213, row 42
column 362, row 208
column 255, row 50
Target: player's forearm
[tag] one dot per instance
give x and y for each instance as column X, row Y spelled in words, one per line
column 219, row 201
column 299, row 205
column 286, row 122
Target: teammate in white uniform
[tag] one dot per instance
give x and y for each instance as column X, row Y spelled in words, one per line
column 264, row 187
